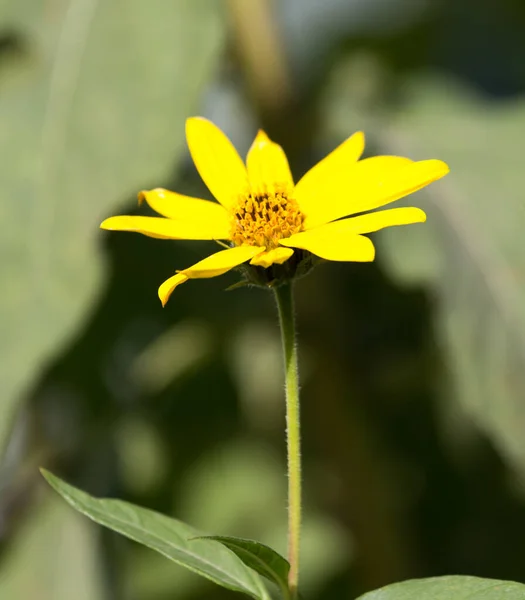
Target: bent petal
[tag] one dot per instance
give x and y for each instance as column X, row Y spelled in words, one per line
column 354, row 248
column 310, row 191
column 159, row 227
column 267, row 165
column 179, row 207
column 270, row 257
column 218, row 163
column 166, row 289
column 375, row 221
column 212, row 266
column 374, row 182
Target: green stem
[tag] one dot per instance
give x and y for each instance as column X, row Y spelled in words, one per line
column 285, row 304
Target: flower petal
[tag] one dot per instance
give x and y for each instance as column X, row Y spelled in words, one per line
column 397, row 184
column 218, row 163
column 310, row 189
column 166, row 289
column 372, row 183
column 375, row 221
column 179, row 207
column 212, row 266
column 355, row 248
column 267, row 165
column 321, row 197
column 337, row 240
column 269, row 257
column 159, row 227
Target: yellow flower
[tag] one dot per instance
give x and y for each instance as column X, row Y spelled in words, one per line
column 265, row 217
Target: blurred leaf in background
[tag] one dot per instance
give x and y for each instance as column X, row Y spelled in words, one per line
column 477, row 226
column 92, row 110
column 54, row 557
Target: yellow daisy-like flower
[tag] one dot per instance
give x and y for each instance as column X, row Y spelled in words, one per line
column 266, row 217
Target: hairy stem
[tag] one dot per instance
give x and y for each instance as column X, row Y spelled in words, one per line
column 284, row 297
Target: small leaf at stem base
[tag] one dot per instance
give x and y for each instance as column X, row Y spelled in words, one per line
column 260, row 558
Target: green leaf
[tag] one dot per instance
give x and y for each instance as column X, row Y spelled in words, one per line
column 91, row 112
column 454, row 587
column 261, row 558
column 167, row 536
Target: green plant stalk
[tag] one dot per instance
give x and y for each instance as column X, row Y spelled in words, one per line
column 285, row 304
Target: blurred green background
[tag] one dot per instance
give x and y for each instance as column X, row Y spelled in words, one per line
column 413, row 383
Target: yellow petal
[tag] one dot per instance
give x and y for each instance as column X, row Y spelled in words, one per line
column 372, row 183
column 373, row 221
column 310, row 190
column 222, row 261
column 397, row 184
column 337, row 240
column 179, row 207
column 212, row 266
column 322, row 197
column 268, row 166
column 159, row 227
column 218, row 163
column 270, row 257
column 166, row 289
column 355, row 248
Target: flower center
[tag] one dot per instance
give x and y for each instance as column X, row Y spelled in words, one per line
column 262, row 219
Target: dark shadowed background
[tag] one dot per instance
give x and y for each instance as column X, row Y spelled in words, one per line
column 413, row 384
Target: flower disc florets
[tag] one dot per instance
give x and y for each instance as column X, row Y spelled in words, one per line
column 265, row 217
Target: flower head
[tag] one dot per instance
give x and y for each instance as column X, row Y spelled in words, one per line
column 266, row 218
